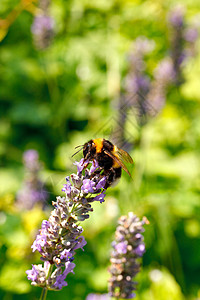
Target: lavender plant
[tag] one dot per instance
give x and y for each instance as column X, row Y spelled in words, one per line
column 136, row 88
column 43, row 26
column 128, row 247
column 146, row 95
column 61, row 235
column 137, row 82
column 33, row 190
column 182, row 40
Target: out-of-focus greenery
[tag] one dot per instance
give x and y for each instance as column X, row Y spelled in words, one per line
column 55, row 99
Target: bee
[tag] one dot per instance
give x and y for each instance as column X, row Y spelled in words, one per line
column 110, row 158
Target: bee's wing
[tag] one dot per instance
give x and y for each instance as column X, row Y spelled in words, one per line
column 118, row 160
column 124, row 156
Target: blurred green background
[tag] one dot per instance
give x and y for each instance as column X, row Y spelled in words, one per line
column 56, row 98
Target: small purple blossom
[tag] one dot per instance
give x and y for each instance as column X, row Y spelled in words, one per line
column 65, row 254
column 100, row 197
column 60, row 279
column 39, row 242
column 60, row 282
column 32, row 274
column 81, row 164
column 81, row 242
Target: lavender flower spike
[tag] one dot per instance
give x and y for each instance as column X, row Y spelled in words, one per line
column 128, row 247
column 60, row 236
column 33, row 191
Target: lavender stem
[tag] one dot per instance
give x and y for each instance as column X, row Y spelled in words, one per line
column 43, row 294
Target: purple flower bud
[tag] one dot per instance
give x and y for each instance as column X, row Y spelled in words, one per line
column 140, row 249
column 121, row 248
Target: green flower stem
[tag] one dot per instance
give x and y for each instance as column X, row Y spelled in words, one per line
column 44, row 294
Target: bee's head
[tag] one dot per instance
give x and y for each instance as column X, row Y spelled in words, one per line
column 89, row 149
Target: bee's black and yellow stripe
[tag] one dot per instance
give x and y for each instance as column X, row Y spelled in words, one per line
column 102, row 144
column 109, row 157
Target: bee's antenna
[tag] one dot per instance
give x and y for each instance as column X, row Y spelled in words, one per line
column 79, row 146
column 77, row 151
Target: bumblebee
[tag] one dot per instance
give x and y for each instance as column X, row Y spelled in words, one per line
column 110, row 158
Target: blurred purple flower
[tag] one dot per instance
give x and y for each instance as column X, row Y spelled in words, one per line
column 164, row 72
column 31, row 159
column 128, row 247
column 176, row 16
column 182, row 41
column 33, row 190
column 43, row 26
column 191, row 34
